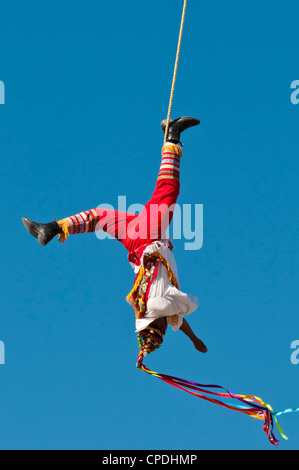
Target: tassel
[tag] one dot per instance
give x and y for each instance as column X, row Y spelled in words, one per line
column 65, row 227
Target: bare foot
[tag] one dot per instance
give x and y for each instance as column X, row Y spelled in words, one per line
column 200, row 346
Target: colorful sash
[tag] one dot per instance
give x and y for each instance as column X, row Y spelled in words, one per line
column 143, row 281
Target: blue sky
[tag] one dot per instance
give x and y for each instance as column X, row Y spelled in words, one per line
column 86, row 86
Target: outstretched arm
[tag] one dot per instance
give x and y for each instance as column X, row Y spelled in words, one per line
column 198, row 344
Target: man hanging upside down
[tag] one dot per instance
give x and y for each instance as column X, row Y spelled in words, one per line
column 156, row 296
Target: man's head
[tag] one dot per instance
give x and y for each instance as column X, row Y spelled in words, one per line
column 151, row 337
column 159, row 326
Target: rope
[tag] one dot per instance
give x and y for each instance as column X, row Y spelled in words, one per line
column 175, row 70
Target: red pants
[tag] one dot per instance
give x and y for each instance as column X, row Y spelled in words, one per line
column 136, row 231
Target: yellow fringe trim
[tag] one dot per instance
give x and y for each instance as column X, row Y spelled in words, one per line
column 167, row 266
column 141, row 272
column 65, row 227
column 136, row 285
column 176, row 149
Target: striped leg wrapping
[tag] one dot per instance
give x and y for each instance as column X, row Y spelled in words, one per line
column 170, row 165
column 83, row 222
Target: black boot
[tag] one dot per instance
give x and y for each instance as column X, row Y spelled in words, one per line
column 43, row 232
column 177, row 126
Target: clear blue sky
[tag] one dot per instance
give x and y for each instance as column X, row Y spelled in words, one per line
column 87, row 84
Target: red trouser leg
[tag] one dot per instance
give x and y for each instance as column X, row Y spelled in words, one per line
column 157, row 214
column 137, row 230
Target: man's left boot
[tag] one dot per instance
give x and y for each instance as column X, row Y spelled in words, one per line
column 177, row 126
column 43, row 232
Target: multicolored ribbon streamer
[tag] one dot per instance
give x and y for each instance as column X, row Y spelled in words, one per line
column 251, row 405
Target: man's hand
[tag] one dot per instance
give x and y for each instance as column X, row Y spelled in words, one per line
column 200, row 346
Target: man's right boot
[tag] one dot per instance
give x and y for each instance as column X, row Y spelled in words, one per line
column 43, row 232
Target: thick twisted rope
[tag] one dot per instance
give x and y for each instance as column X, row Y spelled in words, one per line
column 175, row 70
